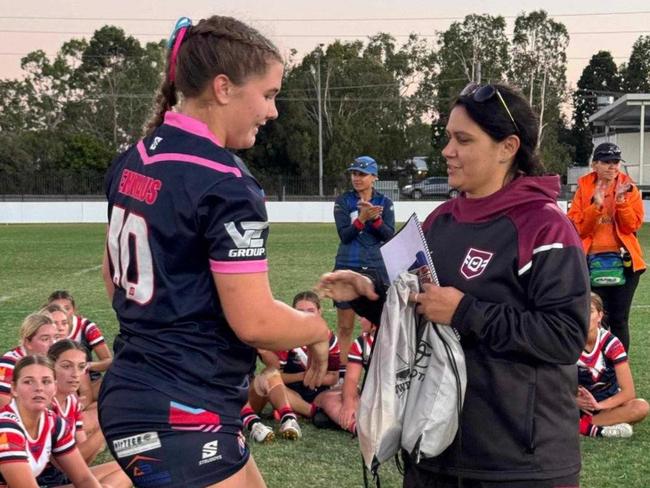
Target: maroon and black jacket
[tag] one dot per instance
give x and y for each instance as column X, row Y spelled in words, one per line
column 523, row 323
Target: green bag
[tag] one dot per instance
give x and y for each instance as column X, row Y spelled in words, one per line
column 606, row 269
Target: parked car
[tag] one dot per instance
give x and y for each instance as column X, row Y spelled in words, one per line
column 432, row 186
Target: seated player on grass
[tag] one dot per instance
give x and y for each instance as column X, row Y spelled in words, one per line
column 340, row 403
column 32, row 435
column 293, row 363
column 59, row 318
column 88, row 334
column 69, row 360
column 606, row 394
column 37, row 333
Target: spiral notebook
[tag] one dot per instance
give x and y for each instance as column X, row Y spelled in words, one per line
column 408, row 251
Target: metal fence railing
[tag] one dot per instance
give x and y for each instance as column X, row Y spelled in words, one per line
column 89, row 185
column 61, row 184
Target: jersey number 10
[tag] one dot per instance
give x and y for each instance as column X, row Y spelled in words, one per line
column 138, row 266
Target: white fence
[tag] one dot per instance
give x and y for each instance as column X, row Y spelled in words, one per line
column 95, row 212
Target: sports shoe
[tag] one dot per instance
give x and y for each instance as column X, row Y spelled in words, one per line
column 261, row 433
column 290, row 430
column 617, row 430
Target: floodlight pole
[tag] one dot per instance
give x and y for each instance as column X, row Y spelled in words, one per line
column 320, row 124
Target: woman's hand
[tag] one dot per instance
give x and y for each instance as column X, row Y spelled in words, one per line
column 620, row 191
column 346, row 285
column 347, row 416
column 318, row 354
column 586, row 400
column 599, row 192
column 438, row 303
column 367, row 211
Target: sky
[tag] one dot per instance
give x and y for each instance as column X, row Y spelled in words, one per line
column 45, row 24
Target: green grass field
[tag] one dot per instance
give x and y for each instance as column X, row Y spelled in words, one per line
column 37, row 259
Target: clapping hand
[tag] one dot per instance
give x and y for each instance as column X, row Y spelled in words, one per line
column 599, row 193
column 368, row 211
column 621, row 189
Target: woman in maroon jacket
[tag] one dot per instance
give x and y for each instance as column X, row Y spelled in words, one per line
column 513, row 282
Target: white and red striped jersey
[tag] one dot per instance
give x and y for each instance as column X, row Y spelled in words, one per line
column 361, row 348
column 70, row 411
column 53, row 438
column 7, row 364
column 85, row 332
column 596, row 368
column 295, row 360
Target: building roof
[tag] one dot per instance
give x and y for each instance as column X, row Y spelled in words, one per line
column 624, row 112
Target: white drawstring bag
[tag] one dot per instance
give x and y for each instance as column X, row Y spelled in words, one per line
column 413, row 394
column 436, row 394
column 383, row 400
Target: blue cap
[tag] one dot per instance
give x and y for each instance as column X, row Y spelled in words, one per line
column 364, row 164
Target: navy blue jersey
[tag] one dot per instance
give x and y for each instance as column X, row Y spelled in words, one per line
column 180, row 207
column 359, row 247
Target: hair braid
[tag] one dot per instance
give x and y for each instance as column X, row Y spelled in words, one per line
column 165, row 99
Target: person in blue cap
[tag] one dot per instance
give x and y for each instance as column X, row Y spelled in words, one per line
column 365, row 219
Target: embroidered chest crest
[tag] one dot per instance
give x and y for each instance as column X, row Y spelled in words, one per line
column 475, row 263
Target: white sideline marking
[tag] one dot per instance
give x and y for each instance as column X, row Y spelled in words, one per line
column 5, row 298
column 87, row 270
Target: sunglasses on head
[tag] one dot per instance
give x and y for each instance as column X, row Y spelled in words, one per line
column 360, row 164
column 483, row 93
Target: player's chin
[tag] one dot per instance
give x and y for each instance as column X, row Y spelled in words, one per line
column 243, row 143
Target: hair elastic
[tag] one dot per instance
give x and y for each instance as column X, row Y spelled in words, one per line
column 175, row 41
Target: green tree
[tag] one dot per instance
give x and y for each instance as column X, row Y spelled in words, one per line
column 636, row 73
column 119, row 77
column 539, row 69
column 474, row 50
column 600, row 77
column 370, row 105
column 77, row 109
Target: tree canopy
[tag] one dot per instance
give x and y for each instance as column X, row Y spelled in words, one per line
column 74, row 111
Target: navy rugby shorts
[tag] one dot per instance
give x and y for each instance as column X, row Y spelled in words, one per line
column 160, row 442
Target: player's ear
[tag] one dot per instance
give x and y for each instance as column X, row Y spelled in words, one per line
column 222, row 89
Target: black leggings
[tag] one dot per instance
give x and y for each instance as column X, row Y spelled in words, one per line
column 618, row 301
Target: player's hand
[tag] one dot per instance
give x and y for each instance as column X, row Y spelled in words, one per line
column 438, row 303
column 83, row 402
column 318, row 354
column 347, row 416
column 346, row 285
column 586, row 400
